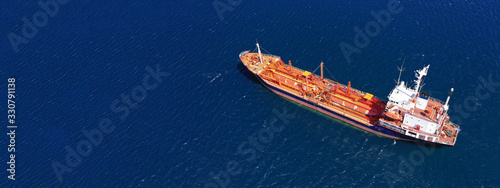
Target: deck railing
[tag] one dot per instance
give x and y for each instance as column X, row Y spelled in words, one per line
column 274, row 56
column 453, row 124
column 437, row 100
column 244, row 53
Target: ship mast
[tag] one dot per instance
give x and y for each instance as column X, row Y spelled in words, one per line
column 419, row 74
column 322, row 70
column 260, row 54
column 448, row 100
column 401, row 69
column 445, row 108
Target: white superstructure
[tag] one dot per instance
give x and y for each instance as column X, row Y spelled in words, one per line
column 414, row 114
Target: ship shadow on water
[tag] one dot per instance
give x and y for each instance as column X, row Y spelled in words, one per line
column 249, row 75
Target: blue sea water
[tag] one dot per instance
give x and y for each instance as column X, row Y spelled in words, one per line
column 207, row 123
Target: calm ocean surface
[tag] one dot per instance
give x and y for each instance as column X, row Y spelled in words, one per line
column 207, row 122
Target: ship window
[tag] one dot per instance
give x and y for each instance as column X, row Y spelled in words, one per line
column 412, row 133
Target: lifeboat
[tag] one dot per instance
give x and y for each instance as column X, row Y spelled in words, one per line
column 393, row 115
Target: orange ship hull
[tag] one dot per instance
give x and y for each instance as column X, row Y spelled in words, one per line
column 342, row 102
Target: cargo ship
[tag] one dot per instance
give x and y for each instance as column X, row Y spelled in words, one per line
column 409, row 115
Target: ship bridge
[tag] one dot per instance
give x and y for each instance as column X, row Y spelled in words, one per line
column 401, row 96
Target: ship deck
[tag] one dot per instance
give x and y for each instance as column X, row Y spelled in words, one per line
column 314, row 88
